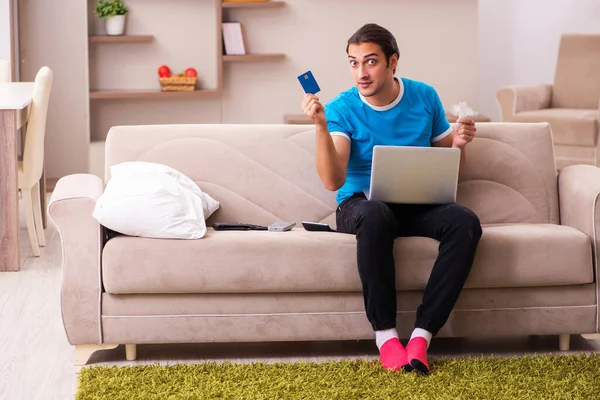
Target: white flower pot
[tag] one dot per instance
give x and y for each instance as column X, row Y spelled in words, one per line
column 115, row 25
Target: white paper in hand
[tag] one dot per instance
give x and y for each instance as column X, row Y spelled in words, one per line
column 462, row 110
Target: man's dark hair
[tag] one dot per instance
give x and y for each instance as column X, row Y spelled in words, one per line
column 373, row 33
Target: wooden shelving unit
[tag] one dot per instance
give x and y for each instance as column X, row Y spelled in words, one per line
column 252, row 5
column 149, row 94
column 121, row 39
column 253, row 57
column 255, row 4
column 96, row 144
column 210, row 93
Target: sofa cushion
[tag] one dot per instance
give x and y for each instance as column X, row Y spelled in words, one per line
column 569, row 126
column 577, row 74
column 509, row 255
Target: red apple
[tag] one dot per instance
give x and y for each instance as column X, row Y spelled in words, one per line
column 164, row 71
column 191, row 72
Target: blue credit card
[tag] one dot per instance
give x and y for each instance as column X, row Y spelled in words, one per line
column 309, row 83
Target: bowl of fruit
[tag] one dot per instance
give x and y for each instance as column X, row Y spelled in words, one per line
column 181, row 82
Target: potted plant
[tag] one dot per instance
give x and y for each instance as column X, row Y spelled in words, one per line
column 113, row 12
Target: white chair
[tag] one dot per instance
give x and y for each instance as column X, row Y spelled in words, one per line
column 30, row 169
column 4, row 71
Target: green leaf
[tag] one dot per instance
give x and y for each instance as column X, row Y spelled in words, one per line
column 110, row 8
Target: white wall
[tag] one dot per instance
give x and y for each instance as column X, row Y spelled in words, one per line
column 496, row 52
column 435, row 46
column 519, row 39
column 57, row 37
column 312, row 34
column 4, row 30
column 437, row 40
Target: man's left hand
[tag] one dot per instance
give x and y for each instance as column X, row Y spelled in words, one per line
column 464, row 132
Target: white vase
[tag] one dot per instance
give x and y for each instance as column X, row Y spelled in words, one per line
column 115, row 25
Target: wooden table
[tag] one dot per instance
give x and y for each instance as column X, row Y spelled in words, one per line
column 15, row 101
column 477, row 118
column 297, row 119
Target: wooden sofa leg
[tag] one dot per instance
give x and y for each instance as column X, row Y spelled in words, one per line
column 83, row 352
column 591, row 336
column 564, row 341
column 130, row 352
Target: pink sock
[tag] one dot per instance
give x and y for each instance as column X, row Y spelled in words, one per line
column 416, row 350
column 393, row 355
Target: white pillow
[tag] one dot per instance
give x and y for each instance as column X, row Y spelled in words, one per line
column 153, row 200
column 131, row 169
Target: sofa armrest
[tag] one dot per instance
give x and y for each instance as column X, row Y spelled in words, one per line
column 514, row 99
column 579, row 195
column 70, row 210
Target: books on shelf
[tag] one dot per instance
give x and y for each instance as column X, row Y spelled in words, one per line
column 233, row 39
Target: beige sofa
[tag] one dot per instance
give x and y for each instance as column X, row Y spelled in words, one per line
column 534, row 271
column 570, row 104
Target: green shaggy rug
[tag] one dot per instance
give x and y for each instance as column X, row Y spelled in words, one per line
column 528, row 377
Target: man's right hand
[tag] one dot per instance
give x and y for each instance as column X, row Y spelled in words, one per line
column 332, row 152
column 313, row 108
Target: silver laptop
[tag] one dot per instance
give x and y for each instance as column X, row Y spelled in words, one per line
column 414, row 175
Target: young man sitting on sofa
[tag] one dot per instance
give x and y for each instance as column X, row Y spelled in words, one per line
column 384, row 110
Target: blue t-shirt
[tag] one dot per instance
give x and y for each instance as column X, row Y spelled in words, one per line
column 415, row 118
